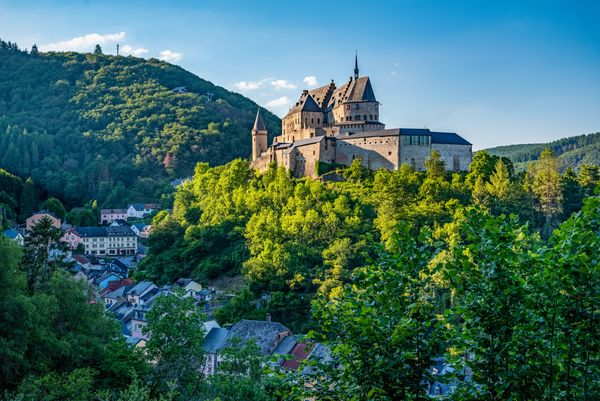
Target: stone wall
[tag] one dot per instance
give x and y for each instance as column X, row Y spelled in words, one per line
column 414, row 155
column 374, row 152
column 456, row 157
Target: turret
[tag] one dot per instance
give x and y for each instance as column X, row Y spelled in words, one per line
column 259, row 136
column 356, row 66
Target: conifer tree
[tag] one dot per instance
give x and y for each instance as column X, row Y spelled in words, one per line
column 547, row 188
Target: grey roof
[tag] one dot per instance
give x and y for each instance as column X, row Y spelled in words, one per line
column 113, row 211
column 139, row 226
column 259, row 123
column 361, row 91
column 436, row 137
column 286, row 345
column 448, row 138
column 215, row 339
column 305, row 103
column 114, row 231
column 43, row 211
column 182, row 282
column 302, row 142
column 262, row 332
column 139, row 288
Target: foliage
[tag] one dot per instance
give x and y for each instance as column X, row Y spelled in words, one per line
column 95, row 126
column 175, row 344
column 572, row 152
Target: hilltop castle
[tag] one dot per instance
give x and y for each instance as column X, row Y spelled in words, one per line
column 337, row 125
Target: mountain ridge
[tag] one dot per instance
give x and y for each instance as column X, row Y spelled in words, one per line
column 94, row 126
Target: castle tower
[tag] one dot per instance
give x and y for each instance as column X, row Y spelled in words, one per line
column 356, row 66
column 259, row 136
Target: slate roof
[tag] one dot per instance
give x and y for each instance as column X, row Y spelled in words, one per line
column 113, row 231
column 138, row 206
column 262, row 332
column 259, row 123
column 302, row 142
column 215, row 339
column 361, row 91
column 286, row 345
column 436, row 137
column 113, row 211
column 305, row 103
column 139, row 288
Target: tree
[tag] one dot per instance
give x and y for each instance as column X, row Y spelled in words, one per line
column 34, row 50
column 435, row 165
column 176, row 343
column 55, row 206
column 28, row 199
column 383, row 328
column 546, row 187
column 501, row 189
column 38, row 263
column 97, row 49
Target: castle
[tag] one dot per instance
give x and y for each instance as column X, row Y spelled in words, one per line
column 336, row 125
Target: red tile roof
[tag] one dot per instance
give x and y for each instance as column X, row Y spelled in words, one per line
column 299, row 353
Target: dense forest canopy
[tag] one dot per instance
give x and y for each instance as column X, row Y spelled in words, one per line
column 93, row 126
column 572, row 152
column 301, row 237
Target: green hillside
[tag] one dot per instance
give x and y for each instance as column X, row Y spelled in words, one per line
column 573, row 151
column 93, row 126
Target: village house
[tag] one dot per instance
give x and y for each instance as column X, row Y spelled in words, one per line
column 108, row 241
column 107, row 216
column 141, row 230
column 141, row 210
column 36, row 217
column 189, row 286
column 71, row 237
column 15, row 235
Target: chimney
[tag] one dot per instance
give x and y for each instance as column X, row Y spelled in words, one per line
column 269, row 317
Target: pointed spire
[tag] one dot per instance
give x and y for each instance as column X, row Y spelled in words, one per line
column 259, row 123
column 356, row 65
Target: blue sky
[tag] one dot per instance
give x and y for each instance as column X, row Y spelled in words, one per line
column 495, row 72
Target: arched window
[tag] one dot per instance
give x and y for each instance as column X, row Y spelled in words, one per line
column 350, row 118
column 312, row 120
column 370, row 116
column 318, row 121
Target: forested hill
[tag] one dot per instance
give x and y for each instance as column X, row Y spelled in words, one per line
column 573, row 151
column 94, row 126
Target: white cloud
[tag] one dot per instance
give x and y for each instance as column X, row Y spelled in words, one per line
column 249, row 85
column 127, row 50
column 310, row 80
column 280, row 101
column 170, row 56
column 82, row 43
column 283, row 84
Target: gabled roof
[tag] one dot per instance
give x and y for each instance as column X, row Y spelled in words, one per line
column 264, row 333
column 259, row 123
column 137, row 206
column 303, row 142
column 215, row 339
column 139, row 288
column 306, row 103
column 361, row 91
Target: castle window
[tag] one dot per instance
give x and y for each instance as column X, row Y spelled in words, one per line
column 312, row 120
column 364, row 117
column 318, row 121
column 370, row 116
column 389, row 153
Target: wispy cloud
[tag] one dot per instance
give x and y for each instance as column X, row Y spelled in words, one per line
column 85, row 42
column 127, row 50
column 310, row 80
column 280, row 101
column 170, row 56
column 283, row 84
column 249, row 85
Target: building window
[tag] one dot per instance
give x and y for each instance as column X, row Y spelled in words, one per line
column 456, row 163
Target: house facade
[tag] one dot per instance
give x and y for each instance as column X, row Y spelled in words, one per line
column 141, row 210
column 71, row 237
column 14, row 235
column 108, row 241
column 107, row 216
